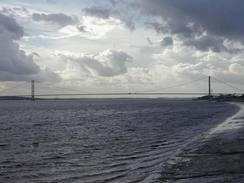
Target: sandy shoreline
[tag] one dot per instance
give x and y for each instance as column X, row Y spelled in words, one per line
column 218, row 157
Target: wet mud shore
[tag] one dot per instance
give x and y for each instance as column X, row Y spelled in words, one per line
column 217, row 157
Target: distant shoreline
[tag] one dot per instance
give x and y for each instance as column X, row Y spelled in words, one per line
column 223, row 98
column 98, row 98
column 217, row 98
column 14, row 98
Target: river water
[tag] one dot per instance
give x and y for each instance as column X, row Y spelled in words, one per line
column 98, row 140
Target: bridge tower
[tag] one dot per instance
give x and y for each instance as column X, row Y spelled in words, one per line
column 209, row 86
column 33, row 90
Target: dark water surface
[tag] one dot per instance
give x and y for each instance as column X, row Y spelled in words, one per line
column 98, row 140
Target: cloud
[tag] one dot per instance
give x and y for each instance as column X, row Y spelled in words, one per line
column 114, row 13
column 91, row 28
column 15, row 64
column 167, row 41
column 114, row 2
column 186, row 63
column 149, row 41
column 67, row 26
column 206, row 43
column 9, row 28
column 108, row 63
column 81, row 28
column 41, row 76
column 98, row 12
column 52, row 1
column 190, row 19
column 13, row 59
column 203, row 14
column 15, row 12
column 55, row 18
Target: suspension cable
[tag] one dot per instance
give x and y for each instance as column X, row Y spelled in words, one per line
column 62, row 88
column 227, row 84
column 178, row 85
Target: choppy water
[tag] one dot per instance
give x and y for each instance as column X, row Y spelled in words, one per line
column 105, row 140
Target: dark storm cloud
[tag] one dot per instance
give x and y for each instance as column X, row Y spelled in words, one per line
column 15, row 64
column 206, row 43
column 222, row 17
column 13, row 59
column 213, row 43
column 56, row 18
column 195, row 18
column 10, row 28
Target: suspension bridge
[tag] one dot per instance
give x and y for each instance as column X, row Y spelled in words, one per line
column 33, row 94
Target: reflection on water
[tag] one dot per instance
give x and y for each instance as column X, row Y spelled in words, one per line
column 105, row 140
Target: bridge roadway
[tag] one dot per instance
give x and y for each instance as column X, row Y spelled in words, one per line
column 124, row 93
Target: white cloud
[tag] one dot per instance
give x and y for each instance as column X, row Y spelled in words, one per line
column 237, row 69
column 107, row 63
column 92, row 28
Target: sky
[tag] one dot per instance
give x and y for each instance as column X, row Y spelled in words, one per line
column 120, row 45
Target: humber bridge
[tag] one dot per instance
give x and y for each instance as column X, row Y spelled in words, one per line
column 34, row 93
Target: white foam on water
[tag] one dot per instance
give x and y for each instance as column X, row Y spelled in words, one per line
column 234, row 122
column 152, row 178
